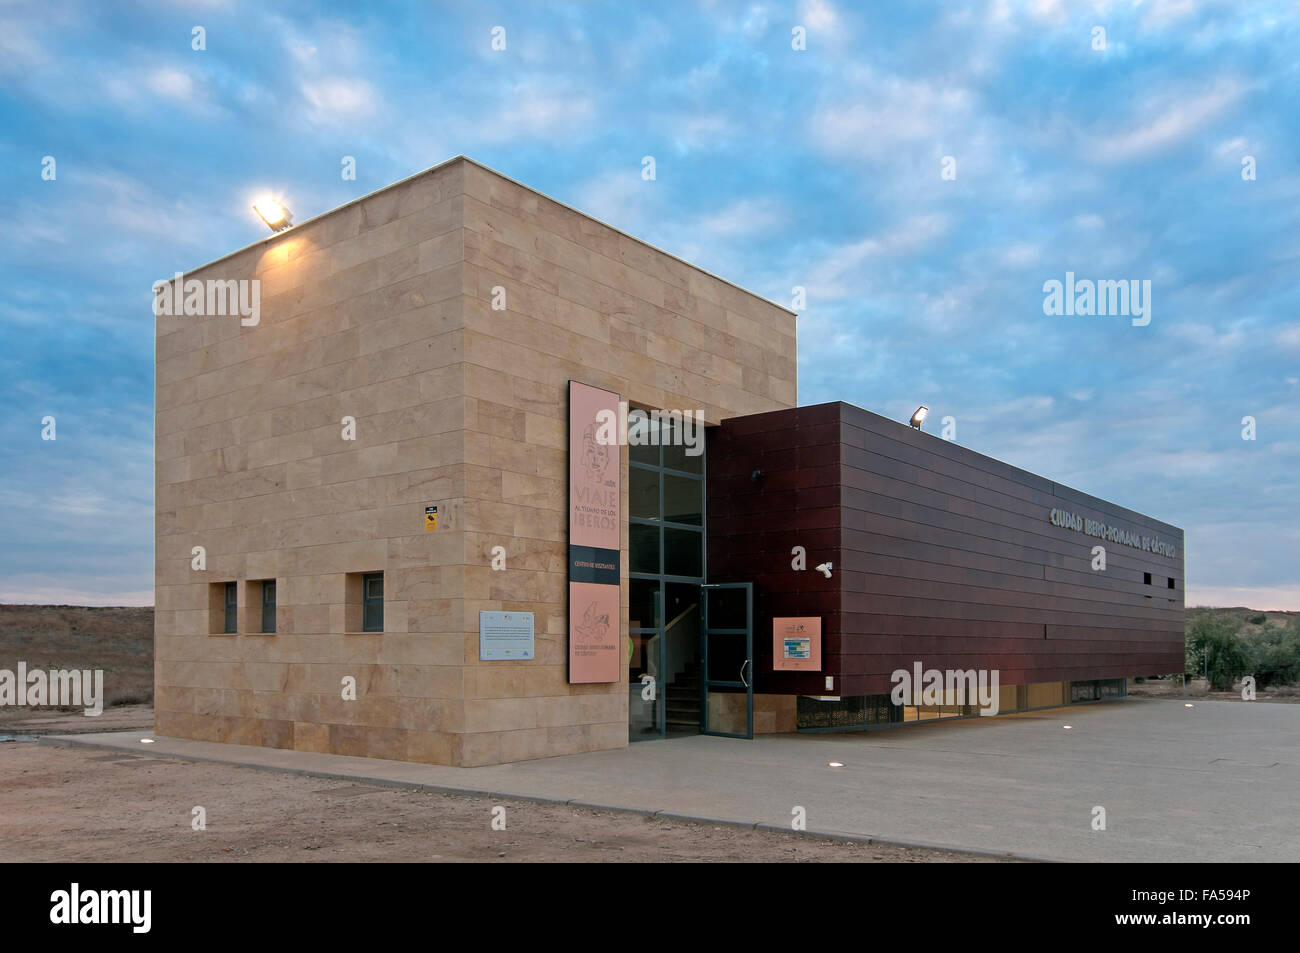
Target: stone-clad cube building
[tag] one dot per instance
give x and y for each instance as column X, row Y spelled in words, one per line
column 381, row 312
column 392, row 520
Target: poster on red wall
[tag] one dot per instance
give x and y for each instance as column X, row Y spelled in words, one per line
column 797, row 644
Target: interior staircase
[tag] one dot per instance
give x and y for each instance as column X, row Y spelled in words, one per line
column 682, row 701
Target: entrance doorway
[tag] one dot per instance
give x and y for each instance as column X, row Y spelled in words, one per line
column 727, row 657
column 666, row 520
column 691, row 646
column 664, row 671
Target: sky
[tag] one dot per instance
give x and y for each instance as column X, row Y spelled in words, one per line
column 922, row 171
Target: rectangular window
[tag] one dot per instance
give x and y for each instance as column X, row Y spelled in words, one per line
column 268, row 605
column 372, row 602
column 232, row 608
column 1171, row 584
column 1146, row 578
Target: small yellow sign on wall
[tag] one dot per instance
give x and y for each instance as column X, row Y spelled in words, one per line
column 430, row 518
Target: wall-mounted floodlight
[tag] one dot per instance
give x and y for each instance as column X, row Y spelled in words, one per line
column 918, row 418
column 273, row 212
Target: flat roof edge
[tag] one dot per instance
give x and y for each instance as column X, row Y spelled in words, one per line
column 904, row 428
column 639, row 241
column 314, row 218
column 464, row 158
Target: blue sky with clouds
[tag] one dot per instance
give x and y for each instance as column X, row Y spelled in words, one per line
column 776, row 168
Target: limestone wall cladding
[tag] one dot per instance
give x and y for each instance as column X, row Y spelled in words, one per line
column 381, row 311
column 361, row 316
column 583, row 302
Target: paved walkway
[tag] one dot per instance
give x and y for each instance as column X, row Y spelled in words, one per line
column 1217, row 782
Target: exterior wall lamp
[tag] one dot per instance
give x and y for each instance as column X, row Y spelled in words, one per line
column 273, row 212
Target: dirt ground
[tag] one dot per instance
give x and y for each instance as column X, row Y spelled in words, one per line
column 30, row 722
column 92, row 805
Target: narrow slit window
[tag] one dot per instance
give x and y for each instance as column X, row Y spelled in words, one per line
column 268, row 605
column 372, row 602
column 232, row 608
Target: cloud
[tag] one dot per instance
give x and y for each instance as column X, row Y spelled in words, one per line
column 818, row 15
column 845, row 269
column 1020, row 255
column 329, row 61
column 124, row 204
column 1162, row 14
column 142, row 89
column 744, row 218
column 1166, row 120
column 172, row 84
column 338, row 100
column 754, row 25
column 1048, row 11
column 103, row 201
column 1288, row 336
column 881, row 113
column 530, row 111
column 704, row 131
column 20, row 51
column 618, row 198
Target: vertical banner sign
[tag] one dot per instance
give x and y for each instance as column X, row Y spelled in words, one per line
column 594, row 524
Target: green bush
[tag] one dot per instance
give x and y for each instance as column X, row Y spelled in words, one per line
column 1213, row 639
column 1275, row 655
column 1258, row 619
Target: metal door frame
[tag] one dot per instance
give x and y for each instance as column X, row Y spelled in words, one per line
column 746, row 667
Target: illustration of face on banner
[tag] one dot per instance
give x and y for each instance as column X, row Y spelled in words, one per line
column 594, row 520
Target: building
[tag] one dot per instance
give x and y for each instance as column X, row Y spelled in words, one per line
column 392, row 521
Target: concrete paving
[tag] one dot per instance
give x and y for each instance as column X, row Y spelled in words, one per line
column 1216, row 782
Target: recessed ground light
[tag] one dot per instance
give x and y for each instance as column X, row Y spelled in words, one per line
column 146, row 741
column 1188, row 705
column 1067, row 727
column 837, row 764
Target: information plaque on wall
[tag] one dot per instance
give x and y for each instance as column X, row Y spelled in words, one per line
column 797, row 644
column 505, row 635
column 594, row 629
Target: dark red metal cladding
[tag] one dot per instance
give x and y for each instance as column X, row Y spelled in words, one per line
column 940, row 555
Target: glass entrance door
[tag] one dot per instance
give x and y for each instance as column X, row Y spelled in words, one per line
column 665, row 569
column 727, row 659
